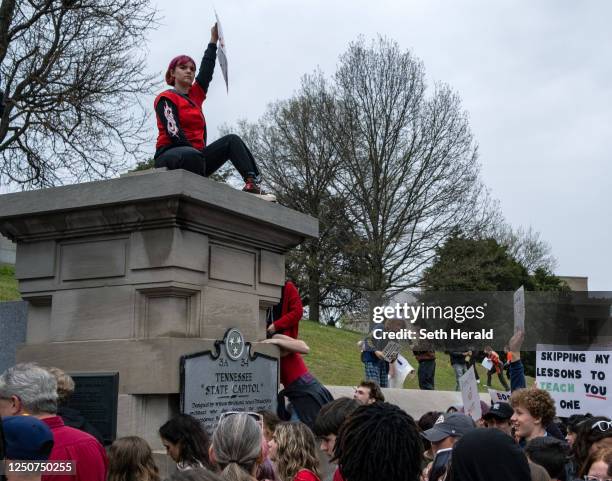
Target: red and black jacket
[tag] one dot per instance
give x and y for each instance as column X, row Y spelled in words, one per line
column 180, row 120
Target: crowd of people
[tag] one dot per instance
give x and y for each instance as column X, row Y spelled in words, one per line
column 364, row 437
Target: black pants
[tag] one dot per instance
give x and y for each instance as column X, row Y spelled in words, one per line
column 427, row 373
column 206, row 162
column 501, row 377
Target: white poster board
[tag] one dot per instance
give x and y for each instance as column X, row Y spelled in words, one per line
column 499, row 396
column 222, row 52
column 519, row 309
column 487, row 363
column 469, row 395
column 402, row 370
column 580, row 382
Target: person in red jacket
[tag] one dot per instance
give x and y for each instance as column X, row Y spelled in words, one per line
column 286, row 315
column 304, row 392
column 181, row 142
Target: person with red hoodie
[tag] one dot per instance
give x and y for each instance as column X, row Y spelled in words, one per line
column 181, row 142
column 304, row 392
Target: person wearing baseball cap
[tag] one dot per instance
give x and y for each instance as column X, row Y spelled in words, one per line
column 443, row 435
column 26, row 438
column 499, row 416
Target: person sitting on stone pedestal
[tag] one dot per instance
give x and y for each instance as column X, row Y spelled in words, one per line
column 181, row 142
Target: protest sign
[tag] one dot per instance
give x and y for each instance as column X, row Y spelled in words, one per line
column 499, row 396
column 391, row 351
column 402, row 370
column 487, row 363
column 469, row 395
column 578, row 381
column 222, row 53
column 519, row 309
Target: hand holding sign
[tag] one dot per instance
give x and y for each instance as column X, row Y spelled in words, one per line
column 515, row 343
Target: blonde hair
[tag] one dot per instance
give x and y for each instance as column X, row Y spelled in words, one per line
column 296, row 450
column 130, row 459
column 65, row 383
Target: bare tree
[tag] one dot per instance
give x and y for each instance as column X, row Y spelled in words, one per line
column 300, row 165
column 73, row 75
column 410, row 163
column 526, row 246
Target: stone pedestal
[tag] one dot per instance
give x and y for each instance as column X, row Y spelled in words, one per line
column 129, row 274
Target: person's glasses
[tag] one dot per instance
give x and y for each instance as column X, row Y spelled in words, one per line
column 256, row 416
column 603, row 426
column 596, row 478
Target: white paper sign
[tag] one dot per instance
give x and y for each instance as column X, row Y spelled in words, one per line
column 222, row 52
column 519, row 309
column 499, row 396
column 469, row 395
column 402, row 369
column 487, row 363
column 580, row 382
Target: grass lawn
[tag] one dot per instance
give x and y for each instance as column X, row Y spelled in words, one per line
column 8, row 284
column 335, row 359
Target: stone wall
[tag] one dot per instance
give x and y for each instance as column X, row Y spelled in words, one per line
column 13, row 324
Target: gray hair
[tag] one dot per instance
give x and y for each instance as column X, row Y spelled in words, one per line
column 236, row 445
column 35, row 387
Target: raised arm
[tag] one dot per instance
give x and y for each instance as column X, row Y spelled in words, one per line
column 207, row 66
column 516, row 370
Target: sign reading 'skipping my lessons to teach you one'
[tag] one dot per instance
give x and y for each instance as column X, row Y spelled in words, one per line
column 579, row 381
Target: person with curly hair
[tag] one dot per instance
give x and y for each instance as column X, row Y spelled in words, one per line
column 131, row 459
column 379, row 441
column 592, row 434
column 534, row 409
column 186, row 442
column 293, row 451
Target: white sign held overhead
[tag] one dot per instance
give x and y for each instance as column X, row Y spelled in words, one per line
column 469, row 395
column 519, row 309
column 580, row 382
column 222, row 52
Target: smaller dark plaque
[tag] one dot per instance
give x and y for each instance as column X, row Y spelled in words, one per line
column 95, row 396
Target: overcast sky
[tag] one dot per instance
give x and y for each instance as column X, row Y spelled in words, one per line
column 535, row 78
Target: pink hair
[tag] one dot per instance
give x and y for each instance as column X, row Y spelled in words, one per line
column 179, row 60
